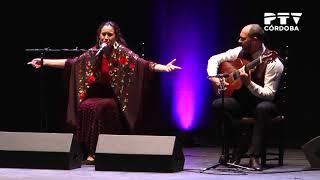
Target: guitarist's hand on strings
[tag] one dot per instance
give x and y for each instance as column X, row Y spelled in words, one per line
column 245, row 77
column 216, row 82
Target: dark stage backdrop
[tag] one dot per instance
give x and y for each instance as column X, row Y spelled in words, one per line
column 61, row 25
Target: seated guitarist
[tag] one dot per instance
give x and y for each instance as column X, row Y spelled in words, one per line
column 250, row 75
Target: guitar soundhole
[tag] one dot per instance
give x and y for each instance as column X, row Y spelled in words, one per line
column 236, row 75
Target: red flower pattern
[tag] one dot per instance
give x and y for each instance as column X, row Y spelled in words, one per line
column 91, row 80
column 123, row 60
column 132, row 66
column 83, row 95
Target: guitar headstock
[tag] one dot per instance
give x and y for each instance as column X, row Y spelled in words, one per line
column 268, row 56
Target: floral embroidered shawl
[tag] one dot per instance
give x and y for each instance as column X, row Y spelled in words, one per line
column 128, row 72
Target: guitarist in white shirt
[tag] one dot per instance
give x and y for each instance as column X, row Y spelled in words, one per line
column 259, row 81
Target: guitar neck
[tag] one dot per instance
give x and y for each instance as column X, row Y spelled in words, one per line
column 251, row 64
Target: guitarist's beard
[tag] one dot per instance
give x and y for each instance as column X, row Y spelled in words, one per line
column 251, row 47
column 245, row 55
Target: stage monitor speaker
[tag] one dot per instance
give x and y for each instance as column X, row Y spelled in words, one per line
column 39, row 150
column 139, row 153
column 312, row 151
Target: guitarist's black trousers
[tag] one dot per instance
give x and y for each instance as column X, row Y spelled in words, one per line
column 231, row 111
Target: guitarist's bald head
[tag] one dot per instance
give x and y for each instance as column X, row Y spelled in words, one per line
column 255, row 30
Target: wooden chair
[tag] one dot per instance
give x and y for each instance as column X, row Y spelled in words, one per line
column 274, row 141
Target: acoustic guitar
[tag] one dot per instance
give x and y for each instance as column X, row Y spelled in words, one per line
column 230, row 70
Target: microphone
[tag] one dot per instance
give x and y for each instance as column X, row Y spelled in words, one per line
column 224, row 75
column 101, row 48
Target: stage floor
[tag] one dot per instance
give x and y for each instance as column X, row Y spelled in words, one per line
column 196, row 158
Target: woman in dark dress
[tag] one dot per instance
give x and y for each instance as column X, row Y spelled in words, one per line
column 105, row 87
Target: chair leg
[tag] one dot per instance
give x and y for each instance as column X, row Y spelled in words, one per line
column 281, row 146
column 281, row 154
column 263, row 154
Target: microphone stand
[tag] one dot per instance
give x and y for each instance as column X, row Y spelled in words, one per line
column 43, row 112
column 224, row 157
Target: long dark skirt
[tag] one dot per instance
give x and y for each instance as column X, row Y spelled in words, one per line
column 97, row 116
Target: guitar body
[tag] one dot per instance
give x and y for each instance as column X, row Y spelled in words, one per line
column 231, row 68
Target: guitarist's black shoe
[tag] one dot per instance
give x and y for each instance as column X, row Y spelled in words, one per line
column 254, row 164
column 236, row 156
